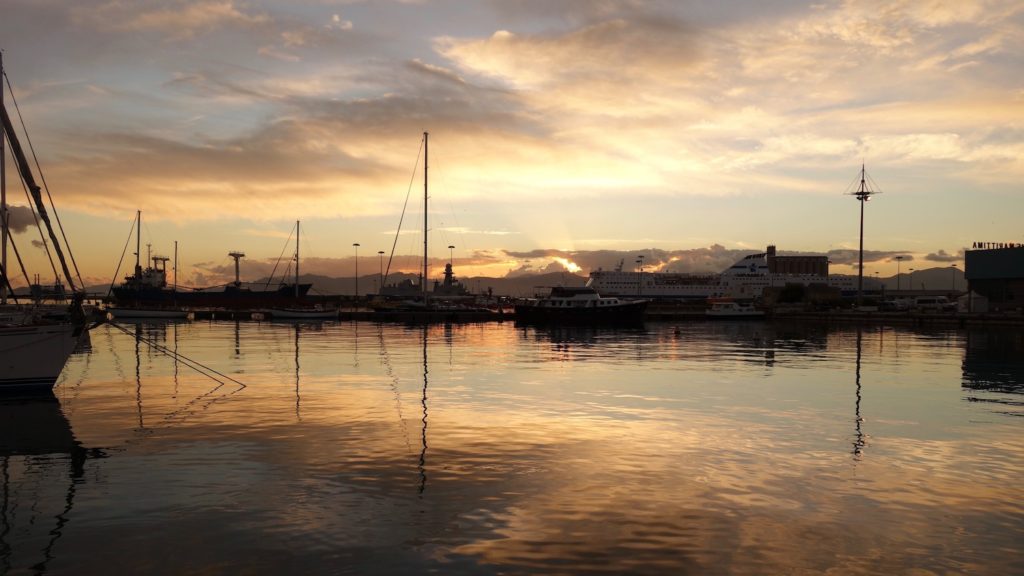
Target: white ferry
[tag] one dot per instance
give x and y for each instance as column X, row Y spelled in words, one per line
column 747, row 278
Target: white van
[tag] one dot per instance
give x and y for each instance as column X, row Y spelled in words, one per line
column 933, row 303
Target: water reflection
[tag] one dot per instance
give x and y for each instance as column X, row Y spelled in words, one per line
column 671, row 450
column 858, row 443
column 993, row 368
column 42, row 465
column 423, row 402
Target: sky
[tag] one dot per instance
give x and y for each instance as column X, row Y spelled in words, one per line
column 564, row 135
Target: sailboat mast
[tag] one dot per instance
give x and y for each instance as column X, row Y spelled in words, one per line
column 3, row 197
column 426, row 163
column 296, row 259
column 35, row 192
column 138, row 243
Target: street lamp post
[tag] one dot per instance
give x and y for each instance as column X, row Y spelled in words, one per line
column 640, row 277
column 910, row 280
column 380, row 254
column 954, row 277
column 898, row 260
column 356, row 245
column 451, row 254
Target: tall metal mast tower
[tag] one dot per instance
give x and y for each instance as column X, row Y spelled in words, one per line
column 863, row 194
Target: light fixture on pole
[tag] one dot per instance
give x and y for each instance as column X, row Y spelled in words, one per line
column 640, row 276
column 356, row 245
column 898, row 260
column 863, row 193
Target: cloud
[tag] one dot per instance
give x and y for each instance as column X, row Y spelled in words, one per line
column 20, row 218
column 337, row 23
column 180, row 19
column 943, row 256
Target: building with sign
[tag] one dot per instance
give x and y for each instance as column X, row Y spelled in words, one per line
column 997, row 274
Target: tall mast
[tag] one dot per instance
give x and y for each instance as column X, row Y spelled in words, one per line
column 35, row 192
column 296, row 259
column 175, row 265
column 3, row 197
column 138, row 243
column 863, row 193
column 426, row 163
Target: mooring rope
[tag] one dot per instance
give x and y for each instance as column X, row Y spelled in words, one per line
column 193, row 364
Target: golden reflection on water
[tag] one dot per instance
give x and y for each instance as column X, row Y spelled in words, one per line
column 745, row 448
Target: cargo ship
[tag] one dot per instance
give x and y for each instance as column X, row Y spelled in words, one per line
column 147, row 288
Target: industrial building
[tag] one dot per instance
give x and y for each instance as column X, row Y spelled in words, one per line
column 996, row 272
column 812, row 265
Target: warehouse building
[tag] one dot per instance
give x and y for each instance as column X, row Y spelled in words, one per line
column 995, row 271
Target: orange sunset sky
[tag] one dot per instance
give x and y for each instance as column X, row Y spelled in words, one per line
column 564, row 134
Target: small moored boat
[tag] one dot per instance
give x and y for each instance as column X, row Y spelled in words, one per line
column 580, row 306
column 732, row 309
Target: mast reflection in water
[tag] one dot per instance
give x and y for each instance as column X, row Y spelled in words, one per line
column 41, row 465
column 697, row 448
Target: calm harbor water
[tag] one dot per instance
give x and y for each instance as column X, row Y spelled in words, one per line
column 732, row 448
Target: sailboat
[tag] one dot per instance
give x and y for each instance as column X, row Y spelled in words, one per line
column 299, row 312
column 418, row 305
column 34, row 343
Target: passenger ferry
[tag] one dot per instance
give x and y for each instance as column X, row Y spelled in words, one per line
column 747, row 278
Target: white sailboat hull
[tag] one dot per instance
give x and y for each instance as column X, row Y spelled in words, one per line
column 32, row 357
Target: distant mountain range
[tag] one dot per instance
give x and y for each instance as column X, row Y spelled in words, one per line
column 930, row 279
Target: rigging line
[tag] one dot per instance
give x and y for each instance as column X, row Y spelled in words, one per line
column 113, row 279
column 408, row 193
column 42, row 177
column 21, row 264
column 394, row 386
column 184, row 359
column 36, row 218
column 279, row 258
column 440, row 174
